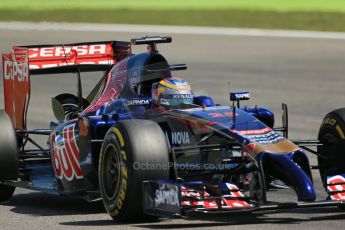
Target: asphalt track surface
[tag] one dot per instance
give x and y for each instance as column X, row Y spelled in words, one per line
column 306, row 73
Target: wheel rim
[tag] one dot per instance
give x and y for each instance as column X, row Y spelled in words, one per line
column 111, row 172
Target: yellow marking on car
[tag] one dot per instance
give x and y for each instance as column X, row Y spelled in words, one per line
column 340, row 132
column 119, row 135
column 123, row 153
column 123, row 188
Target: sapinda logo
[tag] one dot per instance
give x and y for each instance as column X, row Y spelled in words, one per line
column 169, row 197
column 65, row 154
column 13, row 70
column 134, row 102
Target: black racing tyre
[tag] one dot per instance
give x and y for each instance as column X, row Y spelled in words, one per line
column 331, row 155
column 6, row 193
column 8, row 156
column 8, row 149
column 127, row 149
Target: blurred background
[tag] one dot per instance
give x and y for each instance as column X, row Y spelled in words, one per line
column 278, row 14
column 307, row 74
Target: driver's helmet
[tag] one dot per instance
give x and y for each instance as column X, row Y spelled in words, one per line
column 171, row 92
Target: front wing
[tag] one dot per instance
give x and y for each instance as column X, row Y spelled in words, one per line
column 167, row 198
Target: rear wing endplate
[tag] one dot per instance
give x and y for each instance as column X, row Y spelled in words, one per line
column 15, row 67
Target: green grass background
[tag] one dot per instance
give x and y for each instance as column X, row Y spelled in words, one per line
column 270, row 5
column 325, row 15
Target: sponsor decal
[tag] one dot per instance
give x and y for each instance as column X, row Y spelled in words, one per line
column 48, row 57
column 180, row 138
column 333, row 122
column 177, row 96
column 336, row 185
column 63, row 51
column 268, row 138
column 124, row 171
column 14, row 70
column 65, row 154
column 134, row 102
column 166, row 197
column 238, row 96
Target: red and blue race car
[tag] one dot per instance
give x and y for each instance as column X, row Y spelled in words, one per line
column 147, row 145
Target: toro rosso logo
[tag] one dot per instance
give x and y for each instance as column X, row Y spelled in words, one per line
column 65, row 154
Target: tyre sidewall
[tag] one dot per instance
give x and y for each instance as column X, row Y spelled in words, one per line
column 115, row 206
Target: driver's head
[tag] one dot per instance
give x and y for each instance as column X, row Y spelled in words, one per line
column 172, row 93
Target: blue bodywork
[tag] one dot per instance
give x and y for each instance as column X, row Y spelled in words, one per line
column 125, row 94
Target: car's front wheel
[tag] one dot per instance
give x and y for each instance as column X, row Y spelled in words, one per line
column 132, row 151
column 331, row 155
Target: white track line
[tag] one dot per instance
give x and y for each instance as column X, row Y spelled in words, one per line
column 94, row 27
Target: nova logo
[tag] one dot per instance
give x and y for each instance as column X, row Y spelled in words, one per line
column 180, row 138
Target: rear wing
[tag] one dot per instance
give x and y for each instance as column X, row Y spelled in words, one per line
column 24, row 61
column 90, row 56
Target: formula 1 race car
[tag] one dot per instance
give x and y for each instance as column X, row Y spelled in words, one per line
column 146, row 145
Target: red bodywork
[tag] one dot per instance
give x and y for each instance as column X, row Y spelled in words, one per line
column 16, row 85
column 24, row 61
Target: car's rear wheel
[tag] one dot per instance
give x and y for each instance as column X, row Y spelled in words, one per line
column 331, row 157
column 8, row 156
column 132, row 151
